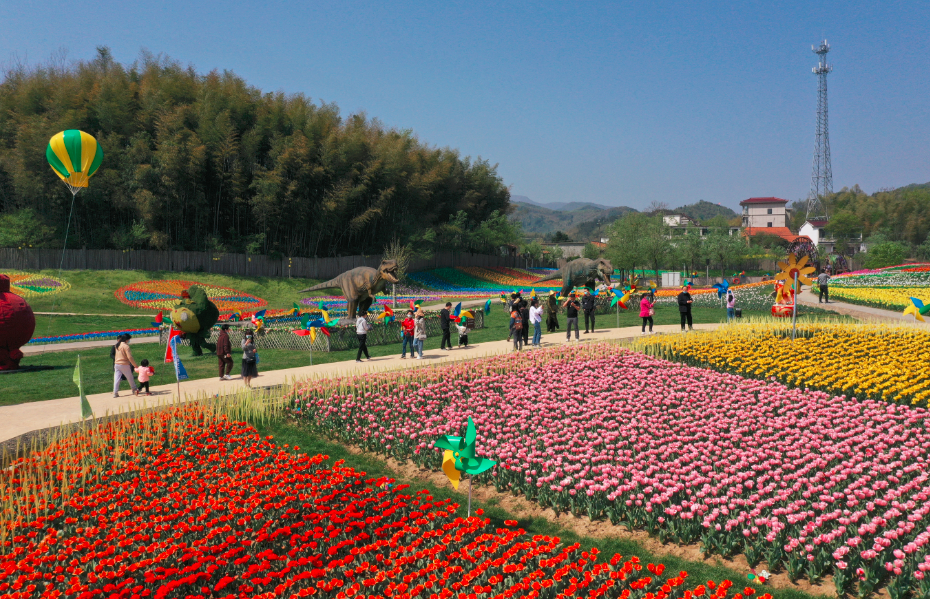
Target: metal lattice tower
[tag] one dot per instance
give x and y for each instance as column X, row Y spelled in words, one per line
column 822, row 175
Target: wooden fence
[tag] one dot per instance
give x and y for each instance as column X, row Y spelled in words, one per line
column 231, row 264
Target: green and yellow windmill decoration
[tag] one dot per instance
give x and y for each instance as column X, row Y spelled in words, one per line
column 459, row 457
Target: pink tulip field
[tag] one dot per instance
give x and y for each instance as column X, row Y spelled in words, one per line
column 798, row 480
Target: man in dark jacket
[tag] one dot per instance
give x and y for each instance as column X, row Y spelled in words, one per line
column 552, row 308
column 571, row 306
column 444, row 319
column 684, row 307
column 525, row 315
column 587, row 304
column 224, row 353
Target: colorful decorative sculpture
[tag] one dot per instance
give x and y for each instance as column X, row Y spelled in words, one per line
column 784, row 284
column 459, row 456
column 360, row 285
column 583, row 272
column 17, row 324
column 918, row 309
column 195, row 316
column 721, row 288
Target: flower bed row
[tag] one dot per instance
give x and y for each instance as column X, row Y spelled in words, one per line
column 211, row 509
column 164, row 295
column 866, row 361
column 35, row 285
column 895, row 298
column 795, row 478
column 97, row 336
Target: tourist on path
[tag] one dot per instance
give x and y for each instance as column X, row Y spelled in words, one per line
column 145, row 372
column 249, row 359
column 588, row 304
column 646, row 311
column 516, row 328
column 419, row 333
column 536, row 312
column 123, row 365
column 731, row 305
column 525, row 315
column 571, row 306
column 445, row 318
column 361, row 331
column 224, row 353
column 552, row 309
column 684, row 307
column 407, row 327
column 824, row 281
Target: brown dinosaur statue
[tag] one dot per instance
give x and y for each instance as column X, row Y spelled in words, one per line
column 360, row 285
column 582, row 271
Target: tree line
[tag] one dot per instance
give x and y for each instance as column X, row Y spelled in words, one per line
column 206, row 162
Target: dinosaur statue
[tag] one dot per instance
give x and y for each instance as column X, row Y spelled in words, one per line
column 195, row 315
column 360, row 285
column 581, row 272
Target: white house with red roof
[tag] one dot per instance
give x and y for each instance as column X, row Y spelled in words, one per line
column 767, row 216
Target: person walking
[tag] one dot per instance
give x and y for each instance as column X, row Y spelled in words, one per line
column 224, row 353
column 516, row 327
column 646, row 312
column 571, row 306
column 445, row 318
column 824, row 281
column 525, row 315
column 512, row 303
column 361, row 331
column 249, row 359
column 684, row 307
column 552, row 309
column 145, row 373
column 419, row 333
column 408, row 327
column 123, row 365
column 536, row 312
column 731, row 305
column 588, row 305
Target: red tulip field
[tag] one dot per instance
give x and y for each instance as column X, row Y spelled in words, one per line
column 187, row 504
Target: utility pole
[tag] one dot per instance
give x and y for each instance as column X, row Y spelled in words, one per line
column 822, row 171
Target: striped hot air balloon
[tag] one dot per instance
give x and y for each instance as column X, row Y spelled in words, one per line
column 74, row 156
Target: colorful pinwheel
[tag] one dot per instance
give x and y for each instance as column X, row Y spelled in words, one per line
column 387, row 314
column 258, row 320
column 918, row 309
column 487, row 307
column 721, row 288
column 159, row 320
column 457, row 310
column 459, row 456
column 789, row 268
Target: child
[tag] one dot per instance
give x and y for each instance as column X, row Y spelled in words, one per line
column 463, row 332
column 145, row 371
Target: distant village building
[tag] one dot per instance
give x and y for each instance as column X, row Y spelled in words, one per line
column 764, row 213
column 826, row 243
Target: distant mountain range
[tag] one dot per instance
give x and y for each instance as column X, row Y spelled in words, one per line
column 584, row 221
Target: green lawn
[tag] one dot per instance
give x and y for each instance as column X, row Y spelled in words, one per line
column 92, row 290
column 376, row 467
column 49, row 325
column 98, row 369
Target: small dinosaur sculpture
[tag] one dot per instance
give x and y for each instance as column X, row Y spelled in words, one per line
column 360, row 285
column 195, row 314
column 581, row 272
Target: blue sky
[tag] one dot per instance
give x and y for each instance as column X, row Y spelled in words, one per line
column 620, row 103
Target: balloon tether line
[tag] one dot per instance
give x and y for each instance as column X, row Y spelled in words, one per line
column 61, row 263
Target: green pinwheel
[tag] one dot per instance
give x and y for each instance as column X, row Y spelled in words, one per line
column 460, row 455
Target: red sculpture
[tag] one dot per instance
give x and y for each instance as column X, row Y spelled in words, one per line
column 17, row 324
column 785, row 307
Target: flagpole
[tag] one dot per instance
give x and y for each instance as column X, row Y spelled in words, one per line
column 469, row 494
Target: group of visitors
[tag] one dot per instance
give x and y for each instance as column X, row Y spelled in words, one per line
column 523, row 315
column 413, row 332
column 125, row 367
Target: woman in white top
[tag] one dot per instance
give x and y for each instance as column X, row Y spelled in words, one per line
column 419, row 333
column 536, row 312
column 361, row 331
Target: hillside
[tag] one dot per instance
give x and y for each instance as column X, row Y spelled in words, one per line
column 579, row 221
column 702, row 211
column 561, row 206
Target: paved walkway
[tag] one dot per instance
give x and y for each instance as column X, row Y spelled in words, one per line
column 863, row 313
column 44, row 348
column 23, row 418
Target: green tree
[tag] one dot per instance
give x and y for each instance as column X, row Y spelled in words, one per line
column 624, row 248
column 654, row 242
column 24, row 228
column 591, row 251
column 560, row 237
column 689, row 250
column 532, row 250
column 725, row 250
column 888, row 253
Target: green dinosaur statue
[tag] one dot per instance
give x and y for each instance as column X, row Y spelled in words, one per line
column 195, row 315
column 581, row 272
column 360, row 285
